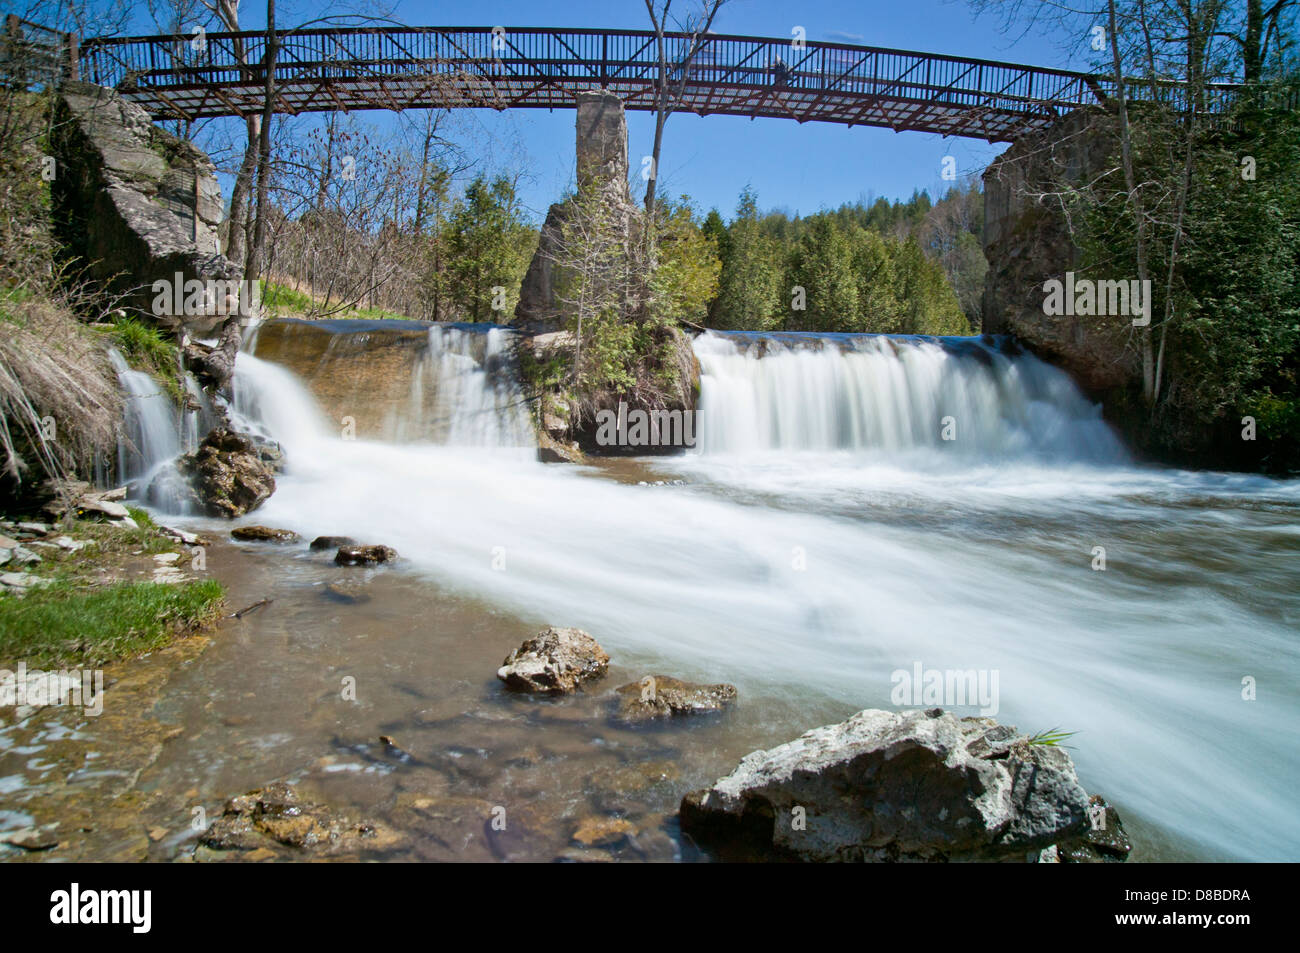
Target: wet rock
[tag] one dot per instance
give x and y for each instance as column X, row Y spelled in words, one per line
column 1103, row 842
column 349, row 591
column 885, row 786
column 603, row 831
column 623, row 780
column 364, row 555
column 264, row 534
column 661, row 696
column 274, row 818
column 333, row 542
column 555, row 662
column 228, row 477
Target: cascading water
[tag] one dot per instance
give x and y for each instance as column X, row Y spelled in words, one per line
column 468, row 399
column 407, row 382
column 860, row 392
column 830, row 537
column 155, row 434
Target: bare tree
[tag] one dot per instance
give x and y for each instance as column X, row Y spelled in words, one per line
column 668, row 94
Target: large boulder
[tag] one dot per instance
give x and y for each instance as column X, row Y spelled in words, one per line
column 554, row 662
column 228, row 475
column 135, row 202
column 889, row 786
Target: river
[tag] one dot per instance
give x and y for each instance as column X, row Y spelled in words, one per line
column 822, row 536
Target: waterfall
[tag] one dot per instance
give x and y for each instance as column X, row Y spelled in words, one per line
column 867, row 392
column 406, row 381
column 155, row 433
column 466, row 392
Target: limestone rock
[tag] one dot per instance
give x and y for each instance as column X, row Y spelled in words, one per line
column 661, row 696
column 886, row 786
column 555, row 661
column 135, row 202
column 364, row 555
column 228, row 477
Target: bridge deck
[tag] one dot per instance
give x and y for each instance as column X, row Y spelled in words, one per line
column 534, row 67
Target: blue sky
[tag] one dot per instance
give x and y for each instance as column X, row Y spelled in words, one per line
column 797, row 168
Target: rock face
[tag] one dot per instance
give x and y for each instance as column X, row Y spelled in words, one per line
column 228, row 475
column 1104, row 840
column 1028, row 240
column 661, row 696
column 554, row 662
column 888, row 786
column 602, row 172
column 133, row 200
column 275, row 818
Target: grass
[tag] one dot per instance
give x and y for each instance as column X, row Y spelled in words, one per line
column 283, row 301
column 76, row 620
column 1052, row 738
column 58, row 625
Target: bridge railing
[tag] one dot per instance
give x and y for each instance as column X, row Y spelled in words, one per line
column 31, row 53
column 396, row 67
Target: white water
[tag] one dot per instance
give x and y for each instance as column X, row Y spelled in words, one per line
column 155, row 433
column 975, row 553
column 472, row 402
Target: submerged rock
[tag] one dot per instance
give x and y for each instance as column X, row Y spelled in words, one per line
column 887, row 786
column 228, row 476
column 661, row 696
column 603, row 831
column 364, row 555
column 555, row 661
column 274, row 818
column 349, row 591
column 333, row 542
column 264, row 534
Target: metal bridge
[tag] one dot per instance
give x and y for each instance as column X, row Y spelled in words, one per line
column 190, row 77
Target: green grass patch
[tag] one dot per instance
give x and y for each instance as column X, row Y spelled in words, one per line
column 62, row 624
column 144, row 347
column 283, row 301
column 77, row 620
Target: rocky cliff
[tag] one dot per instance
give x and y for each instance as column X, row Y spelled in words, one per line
column 602, row 175
column 133, row 201
column 1030, row 237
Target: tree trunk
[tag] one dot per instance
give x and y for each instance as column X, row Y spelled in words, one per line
column 237, row 226
column 1130, row 183
column 253, row 265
